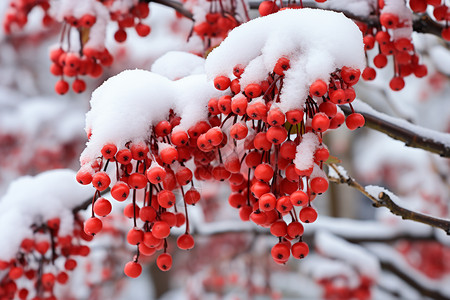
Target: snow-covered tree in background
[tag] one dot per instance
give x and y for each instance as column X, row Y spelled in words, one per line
column 228, row 138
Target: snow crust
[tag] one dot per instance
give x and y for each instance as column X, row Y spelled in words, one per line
column 332, row 42
column 124, row 107
column 34, row 200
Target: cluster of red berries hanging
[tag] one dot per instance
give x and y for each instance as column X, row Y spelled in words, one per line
column 280, row 166
column 17, row 13
column 91, row 56
column 221, row 18
column 150, row 172
column 393, row 39
column 339, row 288
column 441, row 12
column 35, row 261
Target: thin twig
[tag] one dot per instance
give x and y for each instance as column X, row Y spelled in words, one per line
column 384, row 200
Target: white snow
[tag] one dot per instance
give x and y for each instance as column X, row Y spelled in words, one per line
column 332, row 42
column 34, row 200
column 304, row 156
column 354, row 255
column 124, row 107
column 178, row 64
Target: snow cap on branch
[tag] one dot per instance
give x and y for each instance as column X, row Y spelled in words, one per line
column 317, row 42
column 35, row 200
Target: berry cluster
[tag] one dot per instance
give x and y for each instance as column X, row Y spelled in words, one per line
column 17, row 14
column 129, row 19
column 35, row 261
column 440, row 9
column 280, row 165
column 221, row 18
column 338, row 288
column 393, row 38
column 151, row 172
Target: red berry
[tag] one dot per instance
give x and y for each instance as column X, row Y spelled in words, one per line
column 137, row 181
column 350, row 75
column 288, row 149
column 135, row 236
column 276, row 135
column 282, row 65
column 78, row 86
column 281, row 252
column 121, row 35
column 84, row 177
column 124, row 156
column 380, row 61
column 337, row 96
column 70, row 264
column 294, row 116
column 222, row 82
column 131, row 210
column 102, row 207
column 166, row 198
column 300, row 250
column 156, row 174
column 275, row 117
column 179, row 138
column 445, row 33
column 418, row 6
column 169, row 155
column 261, row 142
column 253, row 90
column 120, row 191
column 319, row 185
column 397, row 83
column 267, row 202
column 87, row 20
column 192, row 196
column 267, row 8
column 284, row 204
column 164, row 261
column 354, row 121
column 142, row 29
column 185, row 242
column 264, row 172
column 160, row 229
column 15, row 273
column 224, row 104
column 308, row 214
column 237, row 200
column 61, row 87
column 109, row 150
column 389, row 20
column 369, row 74
column 93, row 226
column 278, row 228
column 101, row 181
column 320, row 122
column 238, row 131
column 295, row 229
column 239, row 105
column 132, row 269
column 299, row 198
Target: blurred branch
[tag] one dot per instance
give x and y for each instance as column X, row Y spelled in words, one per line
column 175, row 5
column 395, row 131
column 384, row 200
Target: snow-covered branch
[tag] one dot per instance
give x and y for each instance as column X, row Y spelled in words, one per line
column 412, row 135
column 383, row 198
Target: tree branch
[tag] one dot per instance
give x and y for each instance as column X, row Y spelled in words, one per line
column 384, row 200
column 411, row 138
